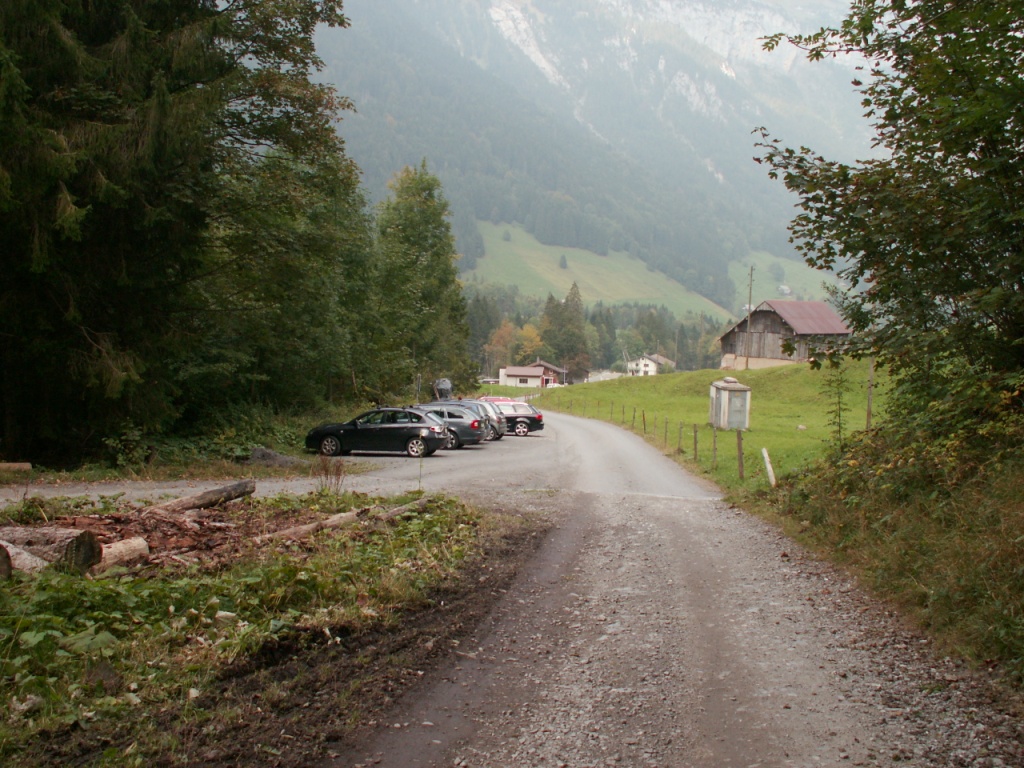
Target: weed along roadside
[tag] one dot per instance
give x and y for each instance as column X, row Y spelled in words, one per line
column 235, row 611
column 939, row 533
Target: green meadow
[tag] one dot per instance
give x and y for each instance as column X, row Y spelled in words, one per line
column 792, row 414
column 614, row 279
column 516, row 258
column 805, row 282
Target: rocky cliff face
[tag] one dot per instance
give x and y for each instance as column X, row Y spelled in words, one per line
column 610, row 125
column 690, row 73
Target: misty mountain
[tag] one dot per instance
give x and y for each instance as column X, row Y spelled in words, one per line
column 611, row 125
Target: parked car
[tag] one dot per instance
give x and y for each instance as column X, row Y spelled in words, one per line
column 382, row 429
column 465, row 426
column 522, row 418
column 495, row 418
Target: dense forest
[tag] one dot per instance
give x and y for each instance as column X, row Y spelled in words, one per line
column 182, row 236
column 181, row 231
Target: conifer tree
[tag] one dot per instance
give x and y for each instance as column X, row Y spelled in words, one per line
column 121, row 123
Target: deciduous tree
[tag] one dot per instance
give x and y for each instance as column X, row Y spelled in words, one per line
column 929, row 235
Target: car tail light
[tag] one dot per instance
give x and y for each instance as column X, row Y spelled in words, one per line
column 540, row 417
column 474, row 424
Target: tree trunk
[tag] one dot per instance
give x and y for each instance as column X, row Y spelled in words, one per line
column 206, row 499
column 19, row 559
column 72, row 548
column 298, row 532
column 125, row 552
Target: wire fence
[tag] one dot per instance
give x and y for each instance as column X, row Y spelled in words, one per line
column 690, row 441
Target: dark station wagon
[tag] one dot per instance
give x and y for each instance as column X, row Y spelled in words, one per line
column 381, row 430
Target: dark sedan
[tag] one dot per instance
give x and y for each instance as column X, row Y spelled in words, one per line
column 522, row 418
column 382, row 429
column 465, row 427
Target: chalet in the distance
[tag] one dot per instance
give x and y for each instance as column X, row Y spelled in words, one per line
column 538, row 374
column 772, row 323
column 648, row 365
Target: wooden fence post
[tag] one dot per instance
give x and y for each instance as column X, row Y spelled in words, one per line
column 768, row 466
column 695, row 442
column 714, row 447
column 739, row 451
column 643, row 415
column 679, row 444
column 665, row 439
column 633, row 425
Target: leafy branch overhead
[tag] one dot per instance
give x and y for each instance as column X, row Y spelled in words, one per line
column 928, row 233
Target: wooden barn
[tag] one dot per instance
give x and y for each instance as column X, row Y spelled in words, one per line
column 774, row 322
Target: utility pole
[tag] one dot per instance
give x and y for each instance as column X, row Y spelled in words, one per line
column 750, row 310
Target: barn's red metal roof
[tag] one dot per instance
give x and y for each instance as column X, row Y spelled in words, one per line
column 807, row 318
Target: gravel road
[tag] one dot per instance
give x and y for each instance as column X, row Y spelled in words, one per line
column 658, row 626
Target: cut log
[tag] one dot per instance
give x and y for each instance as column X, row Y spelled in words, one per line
column 22, row 560
column 209, row 498
column 15, row 466
column 391, row 514
column 124, row 552
column 72, row 548
column 298, row 532
column 5, row 562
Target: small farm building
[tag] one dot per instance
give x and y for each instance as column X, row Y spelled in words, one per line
column 757, row 342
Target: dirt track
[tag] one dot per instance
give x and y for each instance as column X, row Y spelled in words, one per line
column 654, row 626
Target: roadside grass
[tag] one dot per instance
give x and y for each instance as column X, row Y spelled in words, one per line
column 940, row 535
column 222, row 450
column 789, row 415
column 105, row 655
column 949, row 551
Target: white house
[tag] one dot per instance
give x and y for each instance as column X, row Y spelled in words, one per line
column 521, row 376
column 648, row 365
column 538, row 374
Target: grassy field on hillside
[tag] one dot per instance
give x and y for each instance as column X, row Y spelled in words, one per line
column 804, row 282
column 789, row 415
column 614, row 279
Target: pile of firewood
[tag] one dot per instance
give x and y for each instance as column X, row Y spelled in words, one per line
column 28, row 548
column 78, row 549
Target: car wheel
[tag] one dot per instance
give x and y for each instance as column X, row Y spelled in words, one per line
column 416, row 447
column 452, row 441
column 330, row 446
column 522, row 428
column 492, row 433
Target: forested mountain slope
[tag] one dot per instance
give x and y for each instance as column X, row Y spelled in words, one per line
column 605, row 125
